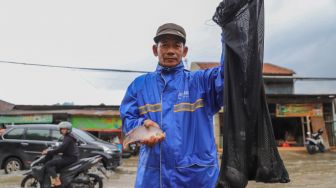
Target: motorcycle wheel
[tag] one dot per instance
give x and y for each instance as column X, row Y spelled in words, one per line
column 321, row 148
column 30, row 182
column 95, row 181
column 311, row 149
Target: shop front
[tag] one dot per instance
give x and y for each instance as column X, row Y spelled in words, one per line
column 292, row 122
column 293, row 116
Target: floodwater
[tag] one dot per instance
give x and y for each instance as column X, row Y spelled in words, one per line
column 308, row 171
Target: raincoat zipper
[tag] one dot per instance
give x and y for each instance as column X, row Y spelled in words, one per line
column 164, row 81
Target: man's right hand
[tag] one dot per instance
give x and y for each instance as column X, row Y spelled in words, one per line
column 153, row 139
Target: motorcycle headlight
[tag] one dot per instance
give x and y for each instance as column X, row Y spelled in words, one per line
column 106, row 150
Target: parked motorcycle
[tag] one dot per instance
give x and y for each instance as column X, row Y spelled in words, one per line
column 134, row 148
column 314, row 143
column 74, row 176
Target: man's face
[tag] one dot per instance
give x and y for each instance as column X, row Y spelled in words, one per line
column 170, row 51
column 64, row 131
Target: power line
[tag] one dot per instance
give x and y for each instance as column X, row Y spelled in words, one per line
column 136, row 71
column 77, row 68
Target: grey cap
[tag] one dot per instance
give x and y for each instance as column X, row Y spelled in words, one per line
column 171, row 29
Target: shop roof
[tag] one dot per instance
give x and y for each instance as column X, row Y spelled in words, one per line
column 5, row 106
column 66, row 107
column 87, row 110
column 70, row 112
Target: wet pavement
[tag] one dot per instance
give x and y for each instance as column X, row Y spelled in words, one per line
column 122, row 177
column 309, row 171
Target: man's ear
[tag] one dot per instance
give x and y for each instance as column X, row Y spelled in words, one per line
column 185, row 51
column 155, row 50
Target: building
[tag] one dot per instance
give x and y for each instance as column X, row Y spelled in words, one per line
column 101, row 120
column 293, row 113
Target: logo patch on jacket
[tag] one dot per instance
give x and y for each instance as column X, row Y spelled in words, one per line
column 183, row 95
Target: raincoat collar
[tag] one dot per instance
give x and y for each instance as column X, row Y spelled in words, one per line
column 177, row 68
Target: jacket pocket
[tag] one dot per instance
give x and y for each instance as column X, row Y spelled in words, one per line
column 199, row 159
column 196, row 176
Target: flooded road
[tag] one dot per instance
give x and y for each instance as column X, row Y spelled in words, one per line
column 309, row 171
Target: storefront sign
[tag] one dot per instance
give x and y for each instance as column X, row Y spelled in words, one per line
column 299, row 110
column 96, row 123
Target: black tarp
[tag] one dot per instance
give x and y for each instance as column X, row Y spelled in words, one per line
column 249, row 148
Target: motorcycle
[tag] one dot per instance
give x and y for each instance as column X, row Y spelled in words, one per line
column 314, row 143
column 74, row 176
column 134, row 148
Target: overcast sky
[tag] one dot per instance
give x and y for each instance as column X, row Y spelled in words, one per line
column 299, row 34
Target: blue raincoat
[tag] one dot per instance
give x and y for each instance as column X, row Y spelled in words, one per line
column 183, row 104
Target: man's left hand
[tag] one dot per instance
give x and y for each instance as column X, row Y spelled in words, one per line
column 45, row 152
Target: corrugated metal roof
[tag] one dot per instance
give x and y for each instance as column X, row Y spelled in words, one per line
column 71, row 112
column 268, row 68
column 65, row 107
column 87, row 110
column 5, row 106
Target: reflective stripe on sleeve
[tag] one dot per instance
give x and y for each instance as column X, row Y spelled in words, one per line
column 150, row 108
column 190, row 107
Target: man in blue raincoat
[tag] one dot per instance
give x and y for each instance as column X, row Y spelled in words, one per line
column 182, row 103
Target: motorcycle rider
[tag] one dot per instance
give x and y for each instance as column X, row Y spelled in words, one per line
column 68, row 148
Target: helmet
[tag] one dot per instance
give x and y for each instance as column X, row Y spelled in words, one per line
column 65, row 125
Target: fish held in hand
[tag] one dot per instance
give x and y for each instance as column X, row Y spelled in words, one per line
column 142, row 133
